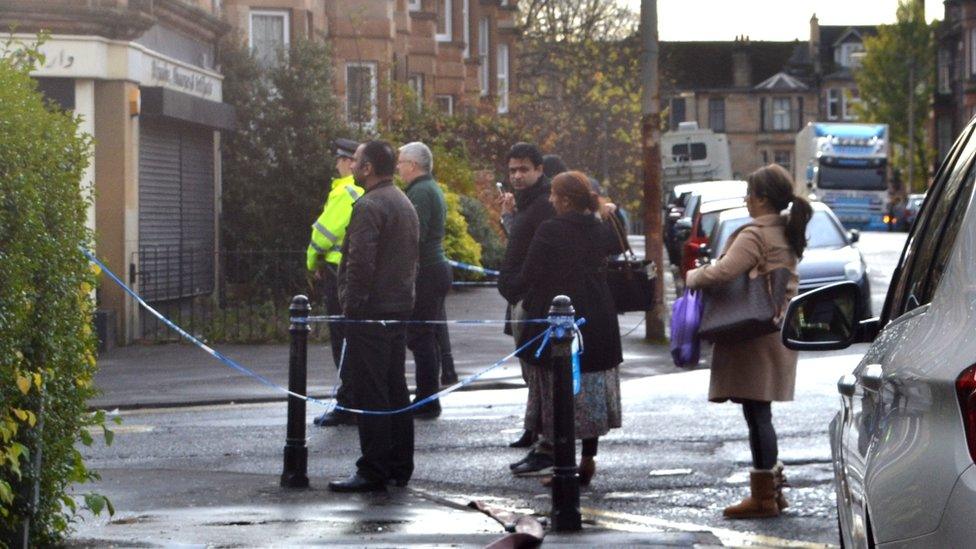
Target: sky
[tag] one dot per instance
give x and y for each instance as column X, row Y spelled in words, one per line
column 780, row 20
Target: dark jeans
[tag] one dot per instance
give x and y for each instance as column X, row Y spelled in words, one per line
column 444, row 344
column 433, row 283
column 330, row 287
column 762, row 436
column 375, row 356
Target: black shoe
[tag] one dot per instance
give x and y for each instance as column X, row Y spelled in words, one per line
column 526, row 440
column 356, row 483
column 335, row 417
column 431, row 410
column 534, row 465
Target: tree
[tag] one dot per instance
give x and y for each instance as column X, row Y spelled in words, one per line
column 579, row 96
column 896, row 81
column 277, row 165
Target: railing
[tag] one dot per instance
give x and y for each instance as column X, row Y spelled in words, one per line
column 221, row 296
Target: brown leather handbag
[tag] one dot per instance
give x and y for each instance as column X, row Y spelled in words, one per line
column 746, row 307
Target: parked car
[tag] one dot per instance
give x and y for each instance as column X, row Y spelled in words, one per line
column 682, row 202
column 830, row 255
column 901, row 217
column 703, row 221
column 904, row 440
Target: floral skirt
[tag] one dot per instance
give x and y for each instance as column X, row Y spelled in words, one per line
column 597, row 404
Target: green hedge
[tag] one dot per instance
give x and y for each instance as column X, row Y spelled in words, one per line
column 47, row 347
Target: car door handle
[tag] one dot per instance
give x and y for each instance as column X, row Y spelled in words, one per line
column 846, row 385
column 871, row 377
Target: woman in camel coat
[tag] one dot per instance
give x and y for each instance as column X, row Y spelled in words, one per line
column 756, row 371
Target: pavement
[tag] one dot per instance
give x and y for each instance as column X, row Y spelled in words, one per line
column 177, row 505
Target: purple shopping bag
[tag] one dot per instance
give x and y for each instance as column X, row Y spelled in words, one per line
column 685, row 319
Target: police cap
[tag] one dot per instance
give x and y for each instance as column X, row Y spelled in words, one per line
column 345, row 147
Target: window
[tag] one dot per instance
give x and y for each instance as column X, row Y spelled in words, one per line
column 783, row 158
column 716, row 114
column 933, row 234
column 945, row 72
column 851, row 98
column 833, row 103
column 944, row 133
column 466, row 27
column 677, row 111
column 799, row 111
column 683, row 152
column 445, row 104
column 502, row 83
column 361, row 94
column 845, row 55
column 444, row 20
column 972, row 51
column 413, row 5
column 782, row 115
column 416, row 84
column 268, row 35
column 483, row 70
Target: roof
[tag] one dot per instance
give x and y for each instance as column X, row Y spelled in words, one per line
column 705, row 185
column 781, row 82
column 834, row 35
column 708, row 65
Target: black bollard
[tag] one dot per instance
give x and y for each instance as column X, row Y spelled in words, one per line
column 565, row 481
column 295, row 473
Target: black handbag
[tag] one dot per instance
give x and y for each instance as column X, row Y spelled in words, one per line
column 746, row 307
column 631, row 280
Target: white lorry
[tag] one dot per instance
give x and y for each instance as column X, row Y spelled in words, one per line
column 690, row 154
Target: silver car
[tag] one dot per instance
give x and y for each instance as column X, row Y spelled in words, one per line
column 904, row 440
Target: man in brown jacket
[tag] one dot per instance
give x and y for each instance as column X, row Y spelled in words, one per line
column 376, row 282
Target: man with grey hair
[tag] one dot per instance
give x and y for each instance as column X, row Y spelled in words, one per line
column 415, row 165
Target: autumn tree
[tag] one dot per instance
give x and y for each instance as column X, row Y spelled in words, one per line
column 896, row 81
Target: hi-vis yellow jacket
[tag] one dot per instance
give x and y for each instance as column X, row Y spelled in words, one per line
column 330, row 228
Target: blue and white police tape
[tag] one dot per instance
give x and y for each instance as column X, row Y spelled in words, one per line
column 232, row 364
column 339, row 319
column 473, row 268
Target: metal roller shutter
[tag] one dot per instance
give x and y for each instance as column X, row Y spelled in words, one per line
column 176, row 210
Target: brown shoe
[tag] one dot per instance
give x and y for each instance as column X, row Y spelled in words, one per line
column 761, row 502
column 780, row 483
column 587, row 468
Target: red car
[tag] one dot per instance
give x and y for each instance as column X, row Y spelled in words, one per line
column 703, row 221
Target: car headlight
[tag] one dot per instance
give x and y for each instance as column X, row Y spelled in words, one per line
column 854, row 270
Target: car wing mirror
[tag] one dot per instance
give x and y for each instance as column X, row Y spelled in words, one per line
column 826, row 319
column 853, row 235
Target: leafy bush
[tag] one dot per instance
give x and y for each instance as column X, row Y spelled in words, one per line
column 47, row 348
column 479, row 227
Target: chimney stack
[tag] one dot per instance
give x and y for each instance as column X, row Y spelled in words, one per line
column 741, row 64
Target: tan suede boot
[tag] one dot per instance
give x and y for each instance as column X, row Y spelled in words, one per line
column 761, row 502
column 780, row 483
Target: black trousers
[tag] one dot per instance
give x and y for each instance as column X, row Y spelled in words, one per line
column 330, row 287
column 375, row 357
column 443, row 337
column 762, row 436
column 433, row 283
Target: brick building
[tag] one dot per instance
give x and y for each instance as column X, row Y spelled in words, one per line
column 141, row 76
column 954, row 103
column 452, row 53
column 760, row 94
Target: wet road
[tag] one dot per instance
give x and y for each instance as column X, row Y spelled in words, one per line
column 672, row 467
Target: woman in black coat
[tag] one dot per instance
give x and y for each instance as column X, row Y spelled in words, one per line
column 568, row 256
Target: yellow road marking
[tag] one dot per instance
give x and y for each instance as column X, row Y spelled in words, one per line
column 627, row 522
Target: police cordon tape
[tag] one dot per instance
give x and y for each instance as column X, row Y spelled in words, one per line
column 473, row 268
column 267, row 382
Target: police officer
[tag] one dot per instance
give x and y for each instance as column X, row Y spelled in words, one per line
column 323, row 257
